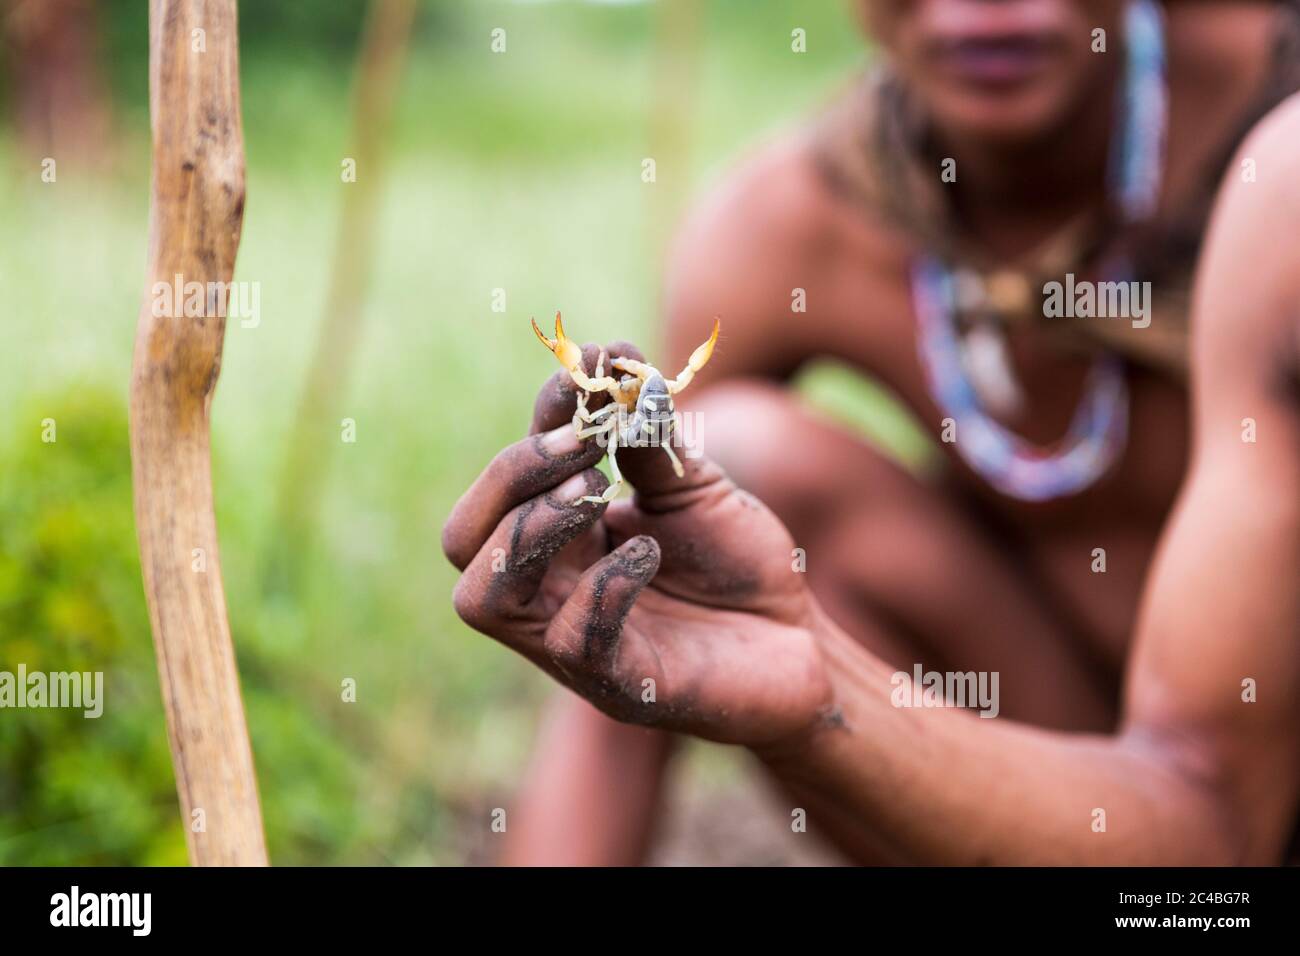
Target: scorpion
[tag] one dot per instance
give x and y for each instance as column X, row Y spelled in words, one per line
column 642, row 388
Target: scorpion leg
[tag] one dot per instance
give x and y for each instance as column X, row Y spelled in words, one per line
column 596, row 429
column 677, row 465
column 580, row 413
column 640, row 369
column 589, row 417
column 616, row 484
column 599, row 421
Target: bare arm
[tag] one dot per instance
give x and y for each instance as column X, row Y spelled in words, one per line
column 1197, row 774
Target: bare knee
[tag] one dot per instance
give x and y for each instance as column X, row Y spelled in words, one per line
column 742, row 425
column 804, row 467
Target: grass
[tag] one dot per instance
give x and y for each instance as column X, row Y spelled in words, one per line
column 520, row 172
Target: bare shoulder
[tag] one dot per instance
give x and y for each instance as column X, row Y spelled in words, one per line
column 1221, row 57
column 744, row 246
column 1247, row 311
column 773, row 204
column 1260, row 196
column 771, row 226
column 1220, row 36
column 1275, row 142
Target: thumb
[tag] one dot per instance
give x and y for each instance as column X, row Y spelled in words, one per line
column 649, row 469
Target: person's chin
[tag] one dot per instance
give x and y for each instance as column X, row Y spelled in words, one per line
column 1006, row 117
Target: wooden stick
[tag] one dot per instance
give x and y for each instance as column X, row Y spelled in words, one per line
column 195, row 219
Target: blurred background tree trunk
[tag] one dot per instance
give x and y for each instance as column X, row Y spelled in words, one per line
column 61, row 101
column 677, row 32
column 302, row 479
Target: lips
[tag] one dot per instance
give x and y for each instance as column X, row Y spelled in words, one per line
column 1002, row 60
column 993, row 44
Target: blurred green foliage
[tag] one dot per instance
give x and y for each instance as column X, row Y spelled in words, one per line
column 77, row 790
column 518, row 172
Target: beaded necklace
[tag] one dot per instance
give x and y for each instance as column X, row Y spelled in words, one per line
column 1099, row 428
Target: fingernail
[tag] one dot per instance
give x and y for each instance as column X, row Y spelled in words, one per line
column 574, row 488
column 562, row 440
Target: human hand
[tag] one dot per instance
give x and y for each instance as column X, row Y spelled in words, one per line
column 678, row 609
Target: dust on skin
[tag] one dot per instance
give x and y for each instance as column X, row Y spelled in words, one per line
column 617, row 585
column 542, row 526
